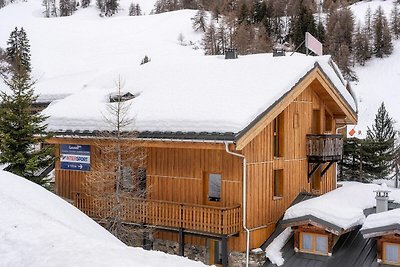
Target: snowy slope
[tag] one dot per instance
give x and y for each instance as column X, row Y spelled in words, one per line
column 68, row 52
column 379, row 79
column 40, row 229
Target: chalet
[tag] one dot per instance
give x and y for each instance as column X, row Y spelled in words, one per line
column 229, row 143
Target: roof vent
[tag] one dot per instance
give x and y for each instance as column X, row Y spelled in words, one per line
column 121, row 96
column 230, row 53
column 382, row 198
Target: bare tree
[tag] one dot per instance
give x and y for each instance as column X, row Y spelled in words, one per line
column 116, row 184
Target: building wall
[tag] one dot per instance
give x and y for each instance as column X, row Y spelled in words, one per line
column 264, row 210
column 178, row 173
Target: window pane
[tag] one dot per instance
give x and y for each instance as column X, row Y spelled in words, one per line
column 126, row 178
column 214, row 187
column 306, row 241
column 321, row 244
column 392, row 253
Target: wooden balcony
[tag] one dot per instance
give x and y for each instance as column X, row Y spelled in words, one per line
column 324, row 147
column 196, row 218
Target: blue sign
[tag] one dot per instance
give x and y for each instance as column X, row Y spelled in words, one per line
column 75, row 157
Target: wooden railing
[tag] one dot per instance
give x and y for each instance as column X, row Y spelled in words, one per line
column 198, row 218
column 324, row 147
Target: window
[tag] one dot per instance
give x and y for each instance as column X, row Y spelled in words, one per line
column 313, row 243
column 278, row 183
column 214, row 187
column 391, row 253
column 127, row 179
column 141, row 181
column 278, row 136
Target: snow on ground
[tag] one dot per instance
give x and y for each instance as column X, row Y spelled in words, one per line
column 379, row 78
column 40, row 229
column 343, row 206
column 273, row 251
column 70, row 52
column 200, row 94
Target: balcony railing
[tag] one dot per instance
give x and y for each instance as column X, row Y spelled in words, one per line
column 197, row 218
column 324, row 147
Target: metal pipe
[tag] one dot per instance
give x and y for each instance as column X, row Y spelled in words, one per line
column 336, row 132
column 244, row 195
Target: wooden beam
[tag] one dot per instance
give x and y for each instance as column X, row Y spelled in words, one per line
column 149, row 144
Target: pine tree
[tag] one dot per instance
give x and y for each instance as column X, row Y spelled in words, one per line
column 303, row 22
column 351, row 166
column 132, row 9
column 379, row 147
column 85, row 3
column 395, row 20
column 18, row 48
column 65, row 8
column 382, row 38
column 20, row 131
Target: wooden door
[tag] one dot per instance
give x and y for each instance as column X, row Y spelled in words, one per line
column 214, row 252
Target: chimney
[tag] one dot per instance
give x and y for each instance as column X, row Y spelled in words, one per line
column 382, row 198
column 230, row 53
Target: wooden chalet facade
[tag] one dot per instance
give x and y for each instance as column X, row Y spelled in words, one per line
column 287, row 149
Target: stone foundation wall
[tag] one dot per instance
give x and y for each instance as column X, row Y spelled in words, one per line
column 199, row 253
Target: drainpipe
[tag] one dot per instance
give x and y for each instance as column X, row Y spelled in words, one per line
column 337, row 132
column 244, row 200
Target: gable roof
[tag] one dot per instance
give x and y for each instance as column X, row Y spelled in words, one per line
column 204, row 94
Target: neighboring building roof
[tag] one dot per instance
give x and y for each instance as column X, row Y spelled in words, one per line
column 382, row 223
column 342, row 208
column 352, row 248
column 196, row 94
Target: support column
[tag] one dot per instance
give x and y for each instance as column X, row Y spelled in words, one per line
column 224, row 251
column 181, row 238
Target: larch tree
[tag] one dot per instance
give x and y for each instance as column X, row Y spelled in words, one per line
column 117, row 180
column 200, row 21
column 22, row 132
column 361, row 47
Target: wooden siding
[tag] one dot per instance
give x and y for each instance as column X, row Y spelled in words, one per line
column 263, row 208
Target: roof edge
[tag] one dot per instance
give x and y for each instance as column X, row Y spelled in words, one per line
column 381, row 230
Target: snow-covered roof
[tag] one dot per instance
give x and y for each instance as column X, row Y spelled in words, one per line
column 40, row 229
column 382, row 220
column 192, row 94
column 343, row 207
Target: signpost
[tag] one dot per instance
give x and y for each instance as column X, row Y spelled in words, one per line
column 75, row 157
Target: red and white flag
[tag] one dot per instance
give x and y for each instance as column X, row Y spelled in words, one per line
column 313, row 44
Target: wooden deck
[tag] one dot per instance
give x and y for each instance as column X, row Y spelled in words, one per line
column 324, row 147
column 197, row 218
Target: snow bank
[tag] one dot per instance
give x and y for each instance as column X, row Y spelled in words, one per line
column 40, row 229
column 273, row 251
column 343, row 206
